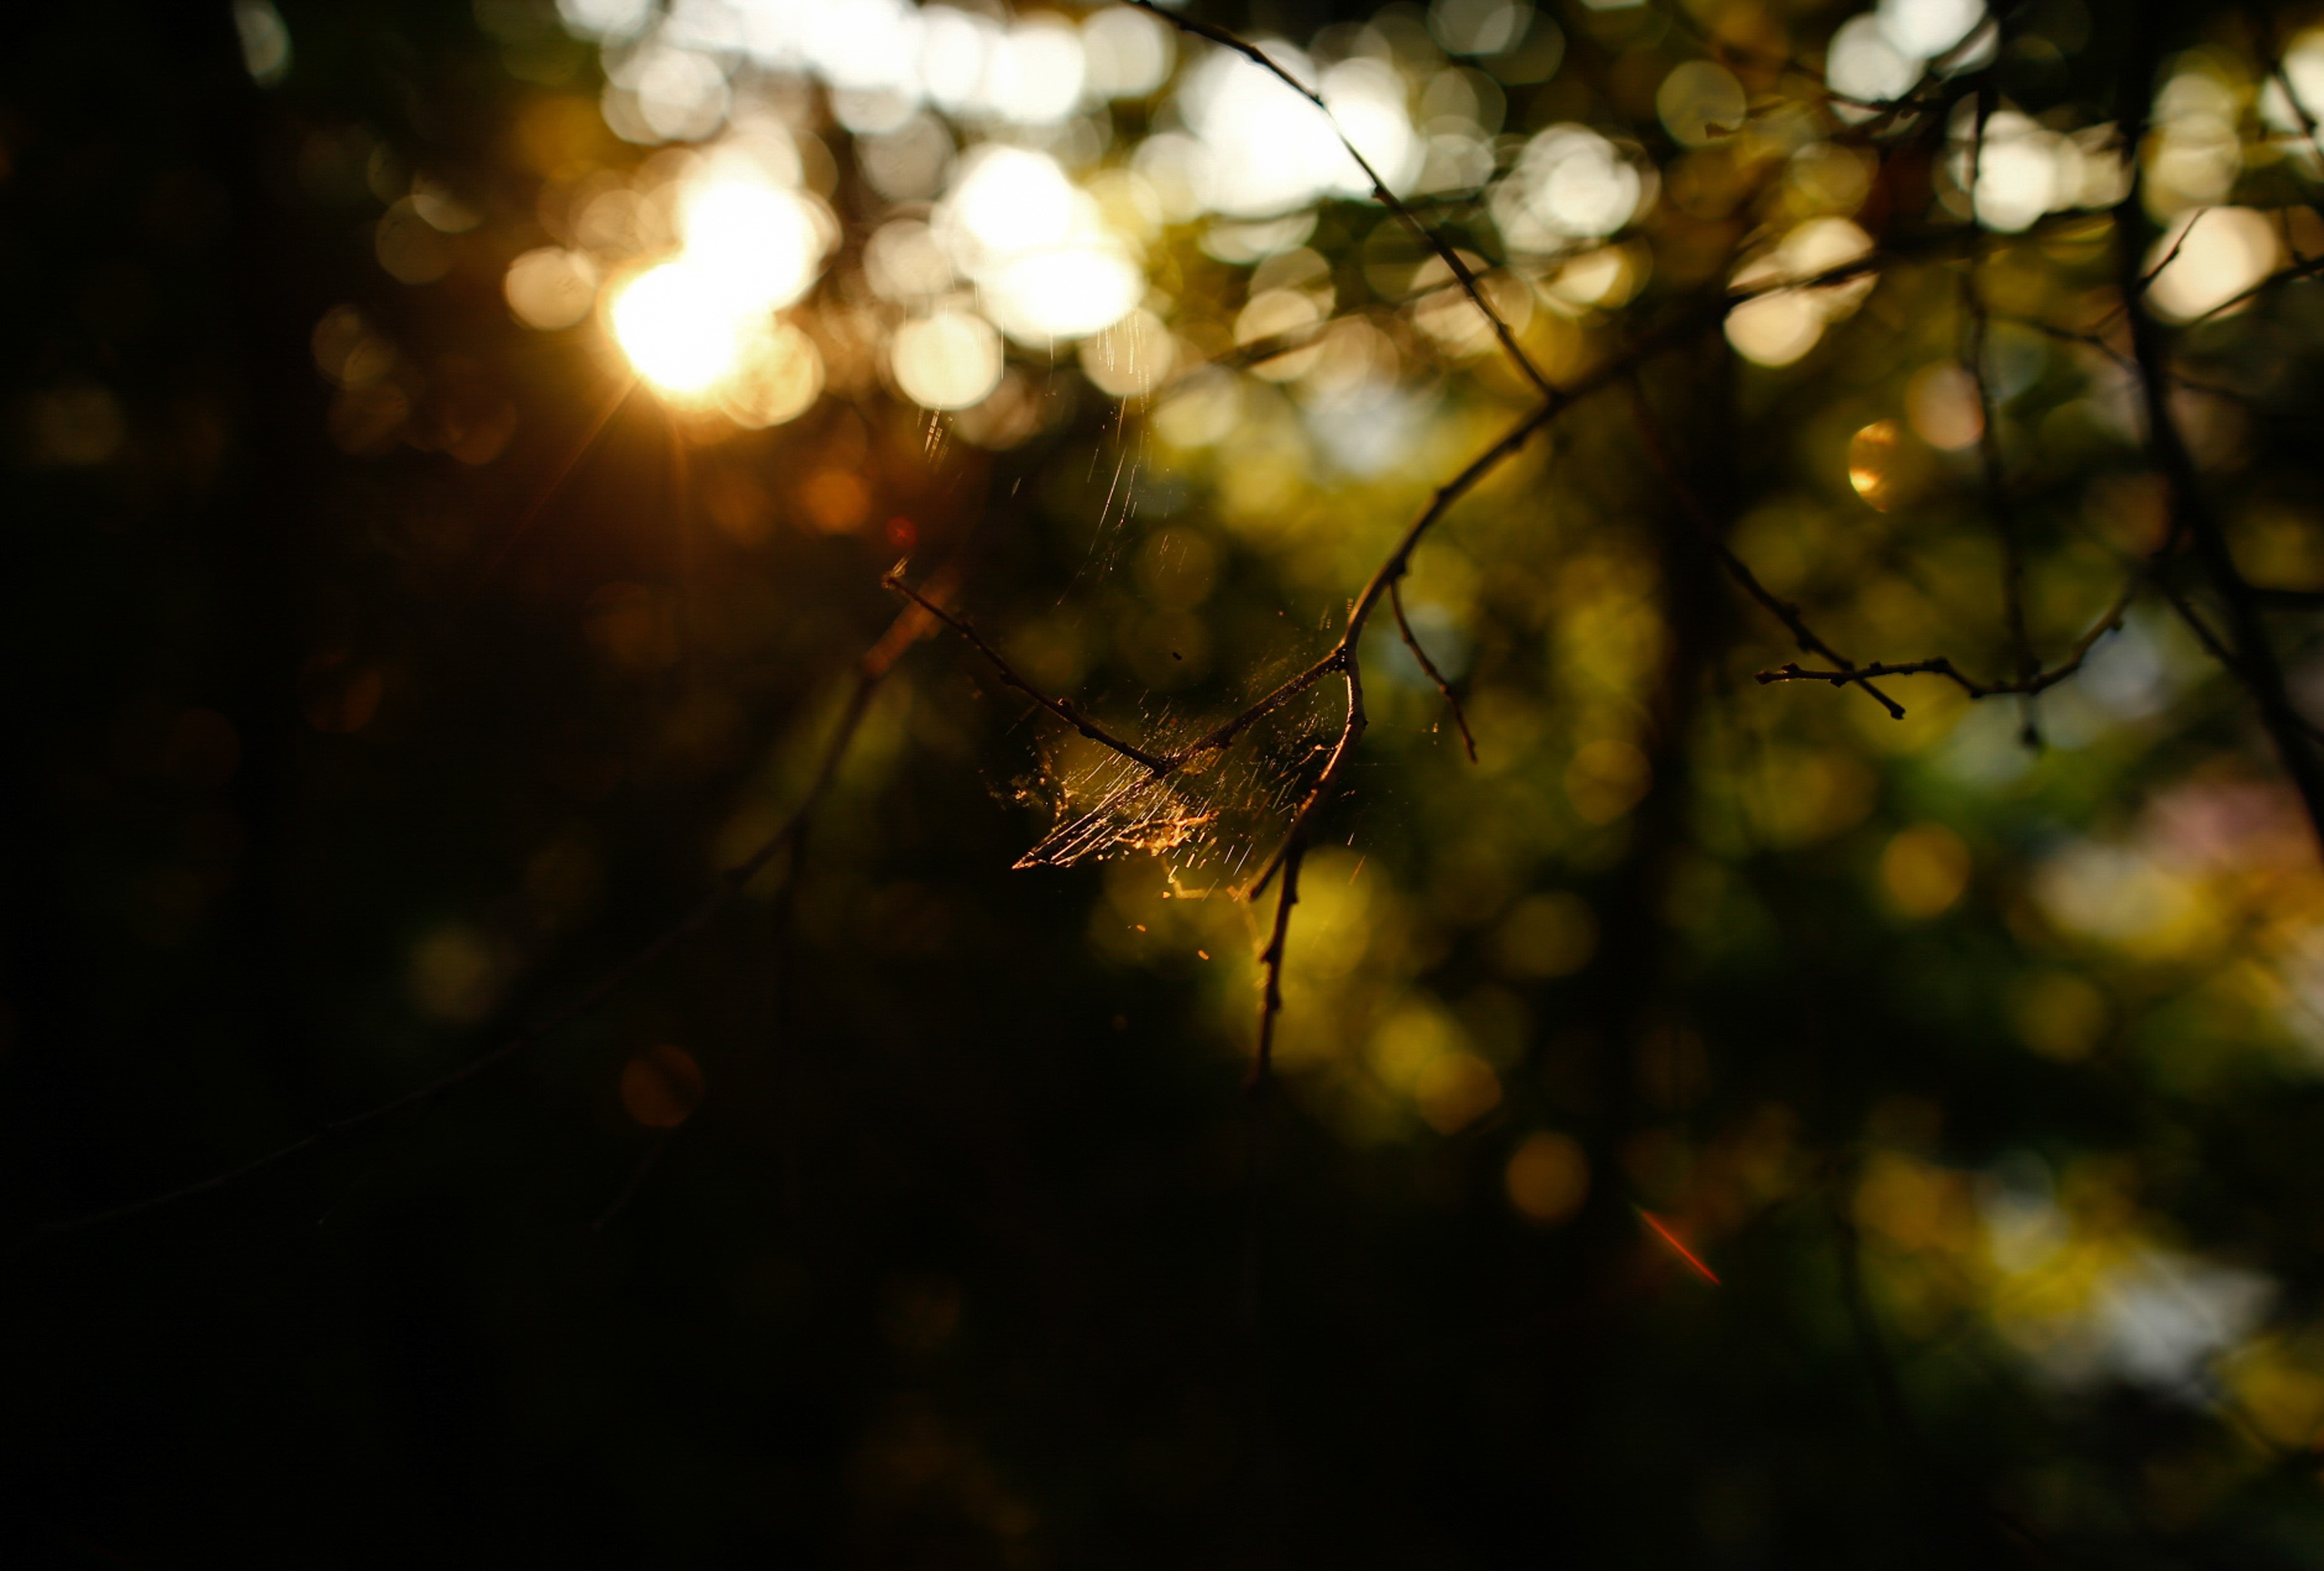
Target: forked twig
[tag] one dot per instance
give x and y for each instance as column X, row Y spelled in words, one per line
column 2194, row 520
column 1939, row 666
column 1063, row 709
column 1342, row 659
column 1446, row 253
column 1395, row 600
column 1736, row 568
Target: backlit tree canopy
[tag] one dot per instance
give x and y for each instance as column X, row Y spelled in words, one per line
column 1253, row 785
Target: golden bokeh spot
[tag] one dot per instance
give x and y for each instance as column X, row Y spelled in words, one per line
column 662, row 1086
column 1547, row 935
column 1456, row 1090
column 1287, row 318
column 2281, row 1395
column 1923, row 871
column 2059, row 1015
column 1911, row 1204
column 836, row 502
column 1807, row 794
column 1548, row 1177
column 454, row 976
column 1942, row 401
column 2279, row 545
column 1605, row 779
column 348, row 350
column 549, row 287
column 776, row 377
column 1412, row 1039
column 412, row 249
column 1872, row 460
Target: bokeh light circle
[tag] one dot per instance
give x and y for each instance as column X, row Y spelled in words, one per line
column 950, row 360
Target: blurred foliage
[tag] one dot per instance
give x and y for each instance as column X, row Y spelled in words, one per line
column 453, row 453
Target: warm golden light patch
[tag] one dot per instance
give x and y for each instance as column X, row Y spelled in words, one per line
column 455, row 976
column 1605, row 779
column 2281, row 1392
column 1924, row 870
column 1548, row 1177
column 836, row 502
column 1872, row 462
column 1454, row 1091
column 2059, row 1015
column 1943, row 402
column 1547, row 935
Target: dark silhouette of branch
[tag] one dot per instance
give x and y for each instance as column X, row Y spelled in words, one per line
column 2146, row 277
column 1783, row 611
column 871, row 671
column 1063, row 709
column 1444, row 252
column 1728, row 52
column 1978, row 327
column 2256, row 664
column 1270, row 960
column 1939, row 666
column 2282, row 275
column 1341, row 659
column 1395, row 600
column 2121, row 361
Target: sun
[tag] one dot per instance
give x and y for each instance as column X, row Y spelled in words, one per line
column 680, row 329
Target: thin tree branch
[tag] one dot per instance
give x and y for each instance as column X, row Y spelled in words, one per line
column 2282, row 275
column 1395, row 600
column 1343, row 660
column 1734, row 54
column 1063, row 709
column 2146, row 278
column 1446, row 253
column 2256, row 664
column 1343, row 752
column 1989, row 437
column 1939, row 666
column 1735, row 566
column 1270, row 960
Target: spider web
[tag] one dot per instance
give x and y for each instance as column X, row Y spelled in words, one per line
column 1219, row 812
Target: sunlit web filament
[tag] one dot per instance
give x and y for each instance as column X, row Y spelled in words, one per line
column 1685, row 1254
